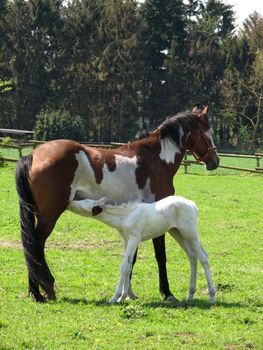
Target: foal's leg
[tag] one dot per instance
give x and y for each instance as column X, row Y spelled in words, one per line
column 192, row 260
column 131, row 294
column 121, row 292
column 160, row 255
column 203, row 258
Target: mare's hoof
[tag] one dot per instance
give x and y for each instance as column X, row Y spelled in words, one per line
column 50, row 297
column 38, row 298
column 172, row 299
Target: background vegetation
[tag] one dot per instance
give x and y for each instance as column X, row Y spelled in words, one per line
column 84, row 256
column 121, row 65
column 59, row 125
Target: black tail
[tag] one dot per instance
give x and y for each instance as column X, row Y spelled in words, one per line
column 39, row 273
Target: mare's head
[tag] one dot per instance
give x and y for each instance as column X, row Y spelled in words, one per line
column 191, row 131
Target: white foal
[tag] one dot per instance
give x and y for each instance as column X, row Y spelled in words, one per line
column 138, row 222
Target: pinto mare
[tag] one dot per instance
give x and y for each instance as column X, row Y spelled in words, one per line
column 61, row 171
column 137, row 222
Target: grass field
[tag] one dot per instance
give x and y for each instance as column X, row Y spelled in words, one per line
column 84, row 256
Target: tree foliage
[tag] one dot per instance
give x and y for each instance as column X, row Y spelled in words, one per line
column 59, row 125
column 122, row 64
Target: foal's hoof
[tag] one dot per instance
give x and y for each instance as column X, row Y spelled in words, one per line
column 131, row 295
column 118, row 298
column 212, row 300
column 114, row 299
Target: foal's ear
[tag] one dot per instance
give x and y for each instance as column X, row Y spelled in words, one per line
column 96, row 210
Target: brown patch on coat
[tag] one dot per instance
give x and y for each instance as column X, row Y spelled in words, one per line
column 96, row 210
column 51, row 175
column 98, row 157
column 97, row 161
column 151, row 167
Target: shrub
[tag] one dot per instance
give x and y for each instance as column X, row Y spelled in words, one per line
column 59, row 125
column 6, row 140
column 2, row 162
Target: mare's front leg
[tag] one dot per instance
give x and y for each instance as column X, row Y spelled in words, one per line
column 160, row 255
column 122, row 290
column 33, row 290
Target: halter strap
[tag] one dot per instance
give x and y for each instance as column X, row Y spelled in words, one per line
column 209, row 148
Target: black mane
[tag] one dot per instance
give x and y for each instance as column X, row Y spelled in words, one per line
column 177, row 127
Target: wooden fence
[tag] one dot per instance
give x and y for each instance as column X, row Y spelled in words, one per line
column 186, row 162
column 257, row 157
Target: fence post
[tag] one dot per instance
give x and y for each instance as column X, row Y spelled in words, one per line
column 258, row 162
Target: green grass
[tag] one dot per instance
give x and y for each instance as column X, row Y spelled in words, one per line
column 85, row 255
column 13, row 153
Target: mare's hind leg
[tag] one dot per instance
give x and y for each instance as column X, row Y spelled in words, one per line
column 160, row 255
column 46, row 280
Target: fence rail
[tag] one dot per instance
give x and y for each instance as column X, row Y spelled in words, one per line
column 186, row 162
column 257, row 156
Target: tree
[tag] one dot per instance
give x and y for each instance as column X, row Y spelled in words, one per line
column 29, row 49
column 164, row 29
column 119, row 68
column 254, row 105
column 75, row 85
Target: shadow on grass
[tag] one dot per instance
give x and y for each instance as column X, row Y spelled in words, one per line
column 74, row 301
column 199, row 304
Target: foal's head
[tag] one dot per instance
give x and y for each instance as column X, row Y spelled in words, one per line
column 191, row 131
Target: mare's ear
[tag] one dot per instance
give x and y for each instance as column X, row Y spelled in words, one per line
column 96, row 210
column 204, row 112
column 198, row 108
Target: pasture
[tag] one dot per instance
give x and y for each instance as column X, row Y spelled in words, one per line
column 84, row 256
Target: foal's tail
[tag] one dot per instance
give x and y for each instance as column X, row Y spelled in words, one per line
column 38, row 270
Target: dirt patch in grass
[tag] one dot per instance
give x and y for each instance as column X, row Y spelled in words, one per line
column 60, row 245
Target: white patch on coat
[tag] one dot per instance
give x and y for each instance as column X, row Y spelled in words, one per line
column 168, row 150
column 118, row 186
